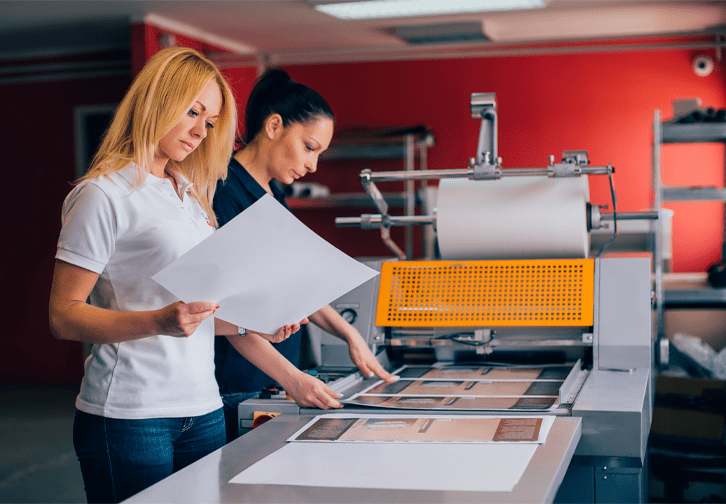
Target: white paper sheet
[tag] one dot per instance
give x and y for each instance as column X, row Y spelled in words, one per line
column 265, row 268
column 418, row 466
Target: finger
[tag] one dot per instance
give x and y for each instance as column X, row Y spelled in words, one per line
column 364, row 368
column 327, row 402
column 329, row 398
column 201, row 307
column 383, row 374
column 304, row 321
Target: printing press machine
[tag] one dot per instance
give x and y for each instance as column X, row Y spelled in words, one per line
column 593, row 315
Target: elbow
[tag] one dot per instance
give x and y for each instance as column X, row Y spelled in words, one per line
column 56, row 324
column 54, row 327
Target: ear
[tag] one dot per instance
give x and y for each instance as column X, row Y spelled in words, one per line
column 273, row 126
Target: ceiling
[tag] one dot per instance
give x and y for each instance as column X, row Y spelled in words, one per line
column 292, row 31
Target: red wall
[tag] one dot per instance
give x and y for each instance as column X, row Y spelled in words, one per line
column 600, row 102
column 40, row 151
column 39, row 159
column 603, row 103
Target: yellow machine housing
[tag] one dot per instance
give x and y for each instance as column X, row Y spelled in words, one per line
column 494, row 293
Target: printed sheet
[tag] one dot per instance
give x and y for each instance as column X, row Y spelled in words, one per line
column 474, row 388
column 428, row 429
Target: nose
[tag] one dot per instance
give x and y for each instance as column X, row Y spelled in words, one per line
column 199, row 130
column 312, row 166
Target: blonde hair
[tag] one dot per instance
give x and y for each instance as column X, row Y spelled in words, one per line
column 160, row 95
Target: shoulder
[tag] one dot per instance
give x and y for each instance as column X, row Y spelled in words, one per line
column 103, row 190
column 115, row 184
column 236, row 190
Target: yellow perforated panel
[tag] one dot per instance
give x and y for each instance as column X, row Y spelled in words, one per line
column 543, row 292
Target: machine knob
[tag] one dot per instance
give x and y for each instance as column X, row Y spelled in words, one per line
column 349, row 315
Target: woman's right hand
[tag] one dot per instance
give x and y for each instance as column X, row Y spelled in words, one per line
column 182, row 319
column 310, row 392
column 282, row 334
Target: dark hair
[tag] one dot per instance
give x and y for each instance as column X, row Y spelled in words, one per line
column 276, row 93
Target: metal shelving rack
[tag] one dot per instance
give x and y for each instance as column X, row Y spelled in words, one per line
column 407, row 143
column 673, row 289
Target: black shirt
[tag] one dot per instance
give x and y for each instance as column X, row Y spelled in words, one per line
column 234, row 373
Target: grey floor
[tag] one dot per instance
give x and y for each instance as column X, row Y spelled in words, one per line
column 37, row 461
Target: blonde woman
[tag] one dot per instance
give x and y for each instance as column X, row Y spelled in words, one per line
column 149, row 403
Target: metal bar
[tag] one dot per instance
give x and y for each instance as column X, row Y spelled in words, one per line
column 420, row 175
column 370, row 221
column 648, row 215
column 658, row 259
column 410, row 194
column 469, row 173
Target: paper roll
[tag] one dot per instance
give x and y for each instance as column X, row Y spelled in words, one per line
column 513, row 218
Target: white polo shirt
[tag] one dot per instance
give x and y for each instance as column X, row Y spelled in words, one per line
column 126, row 235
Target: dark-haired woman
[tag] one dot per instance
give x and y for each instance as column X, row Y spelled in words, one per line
column 287, row 126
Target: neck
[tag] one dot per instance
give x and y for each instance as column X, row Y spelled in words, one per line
column 254, row 161
column 158, row 166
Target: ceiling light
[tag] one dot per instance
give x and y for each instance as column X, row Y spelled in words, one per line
column 467, row 31
column 379, row 9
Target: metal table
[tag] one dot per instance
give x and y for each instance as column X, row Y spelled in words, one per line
column 207, row 480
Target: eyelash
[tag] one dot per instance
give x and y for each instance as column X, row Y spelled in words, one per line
column 194, row 113
column 311, row 149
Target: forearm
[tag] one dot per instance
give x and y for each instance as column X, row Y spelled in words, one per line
column 263, row 355
column 304, row 389
column 330, row 321
column 72, row 318
column 79, row 321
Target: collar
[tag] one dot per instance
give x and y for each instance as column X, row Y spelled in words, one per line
column 181, row 181
column 132, row 174
column 249, row 182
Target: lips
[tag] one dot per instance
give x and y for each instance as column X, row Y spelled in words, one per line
column 188, row 145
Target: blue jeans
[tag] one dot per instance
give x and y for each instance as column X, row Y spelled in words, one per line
column 231, row 417
column 122, row 457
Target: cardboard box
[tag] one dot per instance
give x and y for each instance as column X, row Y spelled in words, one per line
column 690, row 408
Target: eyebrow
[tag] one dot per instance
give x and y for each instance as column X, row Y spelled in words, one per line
column 205, row 108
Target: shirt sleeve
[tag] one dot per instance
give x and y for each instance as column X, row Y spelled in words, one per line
column 88, row 233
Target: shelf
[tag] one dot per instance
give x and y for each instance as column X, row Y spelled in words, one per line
column 378, row 144
column 691, row 289
column 368, row 151
column 671, row 193
column 679, row 290
column 347, row 200
column 694, row 133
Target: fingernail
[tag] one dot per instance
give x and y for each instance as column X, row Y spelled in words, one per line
column 371, row 374
column 217, row 307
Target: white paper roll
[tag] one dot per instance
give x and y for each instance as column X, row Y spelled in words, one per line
column 513, row 218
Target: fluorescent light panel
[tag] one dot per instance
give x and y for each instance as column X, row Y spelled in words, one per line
column 380, row 9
